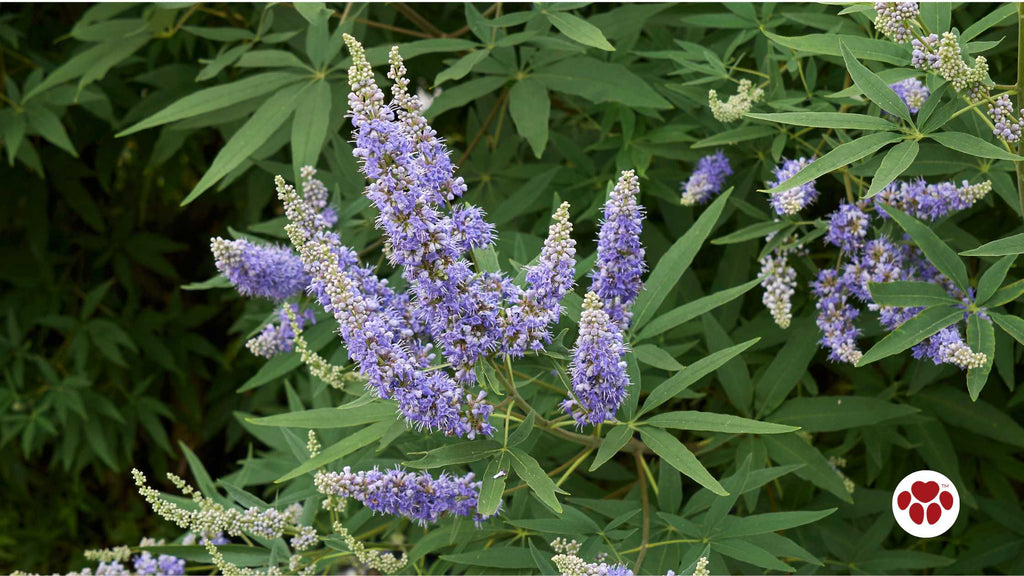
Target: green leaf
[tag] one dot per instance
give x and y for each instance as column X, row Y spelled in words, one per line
column 882, row 50
column 1002, row 247
column 787, row 367
column 540, row 483
column 579, row 30
column 250, row 137
column 220, row 34
column 926, row 323
column 839, row 156
column 309, row 128
column 773, row 522
column 530, row 108
column 831, row 413
column 616, row 438
column 1012, row 325
column 345, row 416
column 736, row 135
column 836, row 120
column 674, row 263
column 973, row 146
column 1007, row 293
column 754, row 231
column 462, row 66
column 941, row 255
column 493, row 484
column 895, row 162
column 462, row 94
column 201, row 476
column 509, row 557
column 750, row 553
column 686, row 312
column 981, row 337
column 461, row 453
column 599, row 82
column 874, row 87
column 983, row 24
column 340, row 449
column 692, row 373
column 216, row 98
column 90, row 65
column 654, row 356
column 46, row 123
column 523, row 431
column 677, row 455
column 270, row 58
column 979, row 417
column 909, row 294
column 710, row 422
column 992, row 278
column 791, row 449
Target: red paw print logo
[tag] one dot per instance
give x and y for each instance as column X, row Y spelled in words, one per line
column 925, row 504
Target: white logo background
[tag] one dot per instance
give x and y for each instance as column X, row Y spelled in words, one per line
column 914, row 498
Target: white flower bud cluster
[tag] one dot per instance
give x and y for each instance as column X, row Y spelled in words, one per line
column 384, row 562
column 737, row 105
column 778, row 279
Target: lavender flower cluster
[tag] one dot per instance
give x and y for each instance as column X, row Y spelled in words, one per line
column 398, row 492
column 913, row 93
column 838, row 291
column 450, row 309
column 707, row 180
column 795, row 199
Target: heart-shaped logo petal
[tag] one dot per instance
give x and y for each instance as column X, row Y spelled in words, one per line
column 925, row 491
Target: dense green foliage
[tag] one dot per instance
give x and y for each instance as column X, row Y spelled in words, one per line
column 134, row 133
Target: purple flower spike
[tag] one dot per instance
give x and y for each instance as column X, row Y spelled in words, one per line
column 264, row 271
column 620, row 254
column 417, row 496
column 598, row 370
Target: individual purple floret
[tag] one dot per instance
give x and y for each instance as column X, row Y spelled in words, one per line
column 707, row 180
column 797, row 198
column 894, row 19
column 912, row 92
column 277, row 338
column 620, row 254
column 598, row 369
column 260, row 270
column 416, row 496
column 847, row 227
column 548, row 281
column 931, row 201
